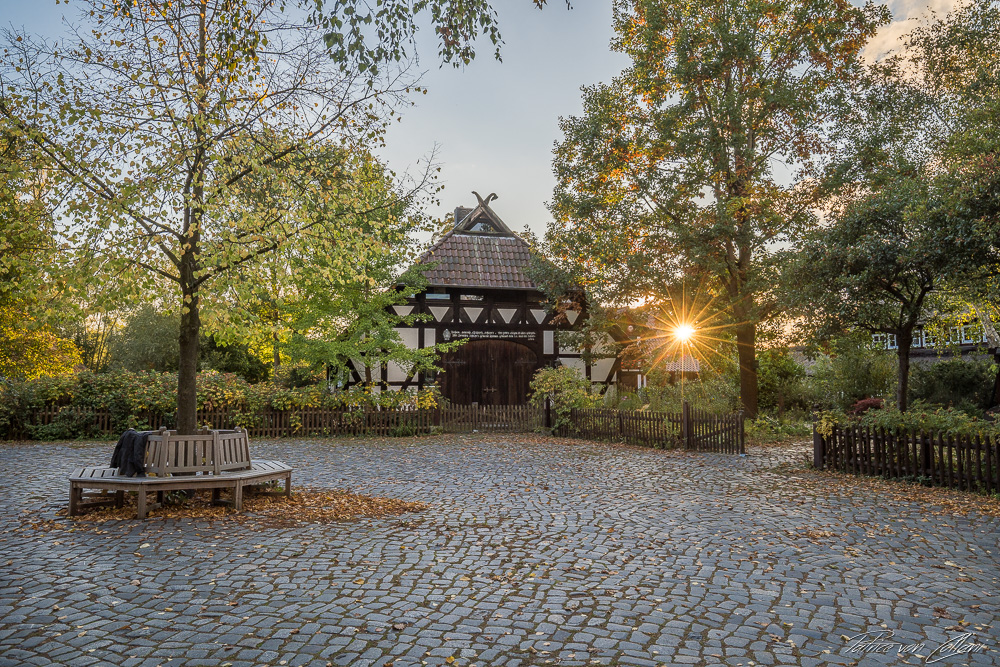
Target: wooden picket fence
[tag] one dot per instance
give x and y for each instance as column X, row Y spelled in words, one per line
column 648, row 429
column 492, row 418
column 708, row 432
column 691, row 429
column 969, row 463
column 322, row 421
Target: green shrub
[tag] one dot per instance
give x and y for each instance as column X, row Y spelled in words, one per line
column 567, row 388
column 780, row 381
column 855, row 369
column 403, row 431
column 68, row 423
column 133, row 399
column 965, row 384
column 920, row 417
column 712, row 393
column 770, row 430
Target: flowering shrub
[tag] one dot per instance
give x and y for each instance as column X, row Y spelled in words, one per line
column 866, row 404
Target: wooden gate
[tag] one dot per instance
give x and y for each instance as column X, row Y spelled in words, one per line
column 707, row 432
column 488, row 372
column 492, row 418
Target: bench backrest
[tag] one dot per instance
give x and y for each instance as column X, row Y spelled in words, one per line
column 207, row 452
column 232, row 450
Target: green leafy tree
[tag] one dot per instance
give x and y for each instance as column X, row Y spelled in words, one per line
column 144, row 342
column 152, row 116
column 321, row 300
column 875, row 267
column 671, row 169
column 32, row 291
column 910, row 209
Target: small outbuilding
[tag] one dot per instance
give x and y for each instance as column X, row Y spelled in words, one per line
column 479, row 290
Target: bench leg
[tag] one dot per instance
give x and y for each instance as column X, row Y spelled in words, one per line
column 288, row 485
column 119, row 499
column 75, row 495
column 238, row 496
column 141, row 502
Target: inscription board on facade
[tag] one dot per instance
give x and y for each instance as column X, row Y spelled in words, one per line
column 505, row 335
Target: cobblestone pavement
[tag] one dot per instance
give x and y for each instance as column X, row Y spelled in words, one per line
column 535, row 552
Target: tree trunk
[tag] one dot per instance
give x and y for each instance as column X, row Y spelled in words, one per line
column 996, row 383
column 276, row 347
column 904, row 341
column 187, row 372
column 746, row 344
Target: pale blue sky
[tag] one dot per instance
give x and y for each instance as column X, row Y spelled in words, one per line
column 495, row 123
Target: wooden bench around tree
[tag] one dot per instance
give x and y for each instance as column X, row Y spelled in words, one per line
column 215, row 460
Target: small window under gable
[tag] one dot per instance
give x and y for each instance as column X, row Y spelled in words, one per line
column 484, row 225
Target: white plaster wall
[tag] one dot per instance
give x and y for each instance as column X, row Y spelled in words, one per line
column 600, row 369
column 410, row 338
column 395, row 373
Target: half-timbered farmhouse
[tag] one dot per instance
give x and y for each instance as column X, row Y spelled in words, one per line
column 479, row 290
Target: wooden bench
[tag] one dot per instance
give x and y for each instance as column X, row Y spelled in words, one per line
column 214, row 460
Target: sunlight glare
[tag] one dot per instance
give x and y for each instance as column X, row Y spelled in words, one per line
column 683, row 332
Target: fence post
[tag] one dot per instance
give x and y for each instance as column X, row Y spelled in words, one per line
column 925, row 454
column 741, row 418
column 548, row 412
column 686, row 425
column 819, row 449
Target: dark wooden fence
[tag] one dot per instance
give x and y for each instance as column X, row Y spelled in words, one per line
column 970, row 463
column 691, row 429
column 319, row 421
column 492, row 418
column 648, row 429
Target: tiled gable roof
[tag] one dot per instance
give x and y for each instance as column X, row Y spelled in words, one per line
column 478, row 260
column 481, row 251
column 686, row 364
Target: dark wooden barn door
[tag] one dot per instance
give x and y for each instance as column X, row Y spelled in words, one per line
column 488, row 372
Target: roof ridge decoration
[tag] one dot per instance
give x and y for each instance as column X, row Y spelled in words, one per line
column 483, row 219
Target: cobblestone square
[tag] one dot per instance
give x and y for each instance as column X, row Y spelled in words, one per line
column 535, row 551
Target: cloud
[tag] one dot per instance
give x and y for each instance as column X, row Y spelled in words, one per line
column 906, row 15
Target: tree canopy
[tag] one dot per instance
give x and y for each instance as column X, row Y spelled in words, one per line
column 910, row 188
column 676, row 168
column 187, row 140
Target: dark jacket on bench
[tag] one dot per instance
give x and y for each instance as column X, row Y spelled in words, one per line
column 130, row 453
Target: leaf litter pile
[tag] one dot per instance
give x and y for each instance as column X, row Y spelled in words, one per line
column 304, row 506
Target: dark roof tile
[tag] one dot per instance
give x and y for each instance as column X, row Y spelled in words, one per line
column 478, row 260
